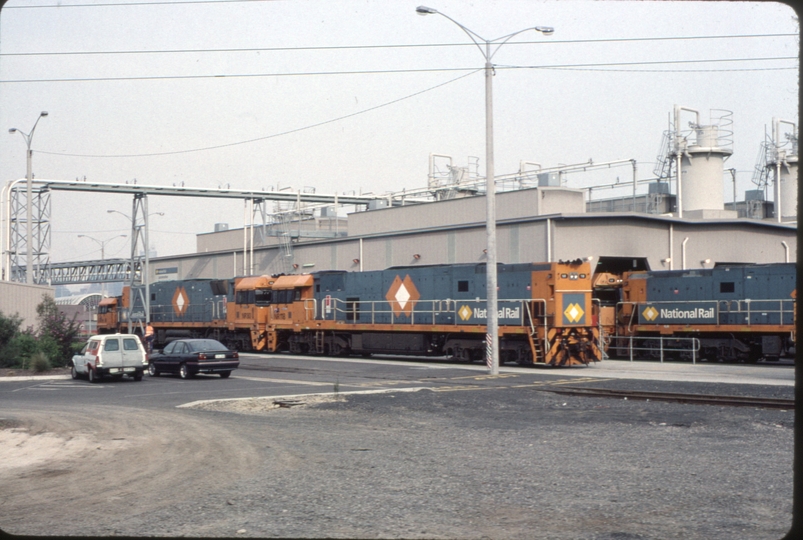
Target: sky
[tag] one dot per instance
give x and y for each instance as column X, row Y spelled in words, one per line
column 353, row 96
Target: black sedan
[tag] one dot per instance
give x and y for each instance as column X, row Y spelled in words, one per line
column 188, row 357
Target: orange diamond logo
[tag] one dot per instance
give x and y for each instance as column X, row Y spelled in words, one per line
column 650, row 313
column 180, row 302
column 402, row 296
column 465, row 313
column 574, row 313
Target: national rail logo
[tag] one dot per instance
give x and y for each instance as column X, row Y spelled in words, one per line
column 465, row 313
column 402, row 296
column 574, row 313
column 180, row 301
column 650, row 313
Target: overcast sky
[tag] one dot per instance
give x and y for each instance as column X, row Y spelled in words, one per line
column 353, row 96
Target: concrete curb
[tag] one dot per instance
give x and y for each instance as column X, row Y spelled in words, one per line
column 35, row 378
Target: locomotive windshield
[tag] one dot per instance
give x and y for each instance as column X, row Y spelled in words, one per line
column 263, row 297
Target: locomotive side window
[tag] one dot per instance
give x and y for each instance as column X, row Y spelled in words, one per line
column 727, row 287
column 286, row 296
column 263, row 297
column 244, row 297
column 462, row 286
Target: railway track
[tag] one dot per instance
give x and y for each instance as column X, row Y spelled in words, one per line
column 728, row 401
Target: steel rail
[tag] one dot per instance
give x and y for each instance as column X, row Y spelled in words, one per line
column 730, row 401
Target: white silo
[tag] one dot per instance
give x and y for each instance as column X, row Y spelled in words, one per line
column 702, row 164
column 783, row 162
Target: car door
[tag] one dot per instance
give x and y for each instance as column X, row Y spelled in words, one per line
column 133, row 353
column 112, row 355
column 79, row 360
column 164, row 361
column 179, row 354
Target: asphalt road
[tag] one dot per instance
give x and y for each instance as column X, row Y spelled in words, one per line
column 446, row 451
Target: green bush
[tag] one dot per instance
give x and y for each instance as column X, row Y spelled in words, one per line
column 22, row 349
column 40, row 362
column 9, row 327
column 9, row 355
column 18, row 352
column 52, row 351
column 55, row 326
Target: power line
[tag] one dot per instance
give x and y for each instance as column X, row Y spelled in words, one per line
column 126, row 4
column 589, row 66
column 395, row 46
column 332, row 120
column 598, row 66
column 239, row 75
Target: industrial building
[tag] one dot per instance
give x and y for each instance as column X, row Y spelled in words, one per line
column 679, row 221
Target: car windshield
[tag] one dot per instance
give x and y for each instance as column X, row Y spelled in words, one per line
column 206, row 345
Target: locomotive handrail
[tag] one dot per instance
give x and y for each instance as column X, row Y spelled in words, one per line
column 632, row 314
column 428, row 309
column 313, row 309
column 532, row 321
column 166, row 313
column 601, row 343
column 785, row 307
column 694, row 349
column 782, row 310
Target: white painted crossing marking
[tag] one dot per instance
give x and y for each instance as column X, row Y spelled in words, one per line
column 286, row 381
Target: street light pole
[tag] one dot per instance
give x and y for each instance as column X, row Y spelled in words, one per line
column 492, row 313
column 102, row 251
column 28, row 203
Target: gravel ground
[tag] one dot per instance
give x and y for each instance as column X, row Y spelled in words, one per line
column 496, row 463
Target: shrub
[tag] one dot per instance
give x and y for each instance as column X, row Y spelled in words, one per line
column 40, row 362
column 9, row 355
column 9, row 327
column 54, row 324
column 19, row 350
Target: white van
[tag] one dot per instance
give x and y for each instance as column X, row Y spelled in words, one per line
column 112, row 355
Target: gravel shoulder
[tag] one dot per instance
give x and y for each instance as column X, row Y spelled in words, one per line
column 494, row 463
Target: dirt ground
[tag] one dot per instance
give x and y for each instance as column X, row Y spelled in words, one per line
column 61, row 466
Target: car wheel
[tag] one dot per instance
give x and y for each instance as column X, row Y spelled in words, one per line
column 91, row 375
column 152, row 371
column 73, row 373
column 183, row 372
column 225, row 374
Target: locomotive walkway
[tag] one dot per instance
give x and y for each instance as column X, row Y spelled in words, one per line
column 780, row 375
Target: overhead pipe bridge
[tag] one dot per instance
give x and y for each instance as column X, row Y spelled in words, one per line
column 14, row 244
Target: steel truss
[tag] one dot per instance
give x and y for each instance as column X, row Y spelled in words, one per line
column 14, row 241
column 107, row 271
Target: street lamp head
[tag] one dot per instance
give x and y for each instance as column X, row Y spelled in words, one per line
column 546, row 30
column 43, row 113
column 12, row 130
column 424, row 10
